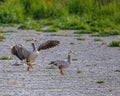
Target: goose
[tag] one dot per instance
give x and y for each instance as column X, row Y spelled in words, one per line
column 28, row 56
column 62, row 64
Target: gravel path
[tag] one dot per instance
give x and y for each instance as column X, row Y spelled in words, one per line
column 96, row 61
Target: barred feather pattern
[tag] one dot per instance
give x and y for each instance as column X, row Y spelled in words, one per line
column 48, row 44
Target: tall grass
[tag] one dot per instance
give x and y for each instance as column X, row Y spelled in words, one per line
column 87, row 15
column 11, row 12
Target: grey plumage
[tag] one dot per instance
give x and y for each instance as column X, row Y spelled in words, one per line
column 61, row 64
column 21, row 52
column 29, row 56
column 48, row 44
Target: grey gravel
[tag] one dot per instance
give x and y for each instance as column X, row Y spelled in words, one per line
column 95, row 60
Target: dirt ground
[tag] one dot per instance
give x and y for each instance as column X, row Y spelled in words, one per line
column 95, row 60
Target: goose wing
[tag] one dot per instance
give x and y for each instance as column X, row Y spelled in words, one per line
column 48, row 44
column 58, row 63
column 21, row 52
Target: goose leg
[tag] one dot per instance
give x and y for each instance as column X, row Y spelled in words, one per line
column 28, row 69
column 61, row 71
column 29, row 66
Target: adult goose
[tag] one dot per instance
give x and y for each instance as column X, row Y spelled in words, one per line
column 30, row 56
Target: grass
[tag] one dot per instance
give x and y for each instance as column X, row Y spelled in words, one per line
column 30, row 25
column 5, row 58
column 83, row 32
column 78, row 70
column 51, row 29
column 88, row 65
column 2, row 37
column 71, row 43
column 94, row 19
column 80, row 38
column 8, row 31
column 1, row 31
column 114, row 44
column 98, row 32
column 110, row 90
column 118, row 70
column 98, row 39
column 100, row 82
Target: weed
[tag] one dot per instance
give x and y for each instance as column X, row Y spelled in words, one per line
column 114, row 44
column 110, row 90
column 2, row 37
column 80, row 39
column 100, row 82
column 8, row 31
column 1, row 31
column 78, row 70
column 98, row 39
column 51, row 29
column 88, row 65
column 5, row 58
column 30, row 25
column 71, row 43
column 118, row 70
column 101, row 18
column 108, row 33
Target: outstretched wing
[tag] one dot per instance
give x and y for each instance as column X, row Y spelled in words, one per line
column 21, row 52
column 48, row 44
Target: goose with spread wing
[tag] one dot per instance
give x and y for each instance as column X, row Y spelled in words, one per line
column 29, row 56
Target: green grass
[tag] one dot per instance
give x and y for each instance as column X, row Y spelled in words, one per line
column 96, row 19
column 118, row 70
column 83, row 32
column 1, row 31
column 98, row 39
column 30, row 25
column 114, row 44
column 71, row 43
column 78, row 70
column 2, row 37
column 5, row 58
column 80, row 38
column 51, row 29
column 108, row 33
column 8, row 31
column 88, row 65
column 100, row 82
